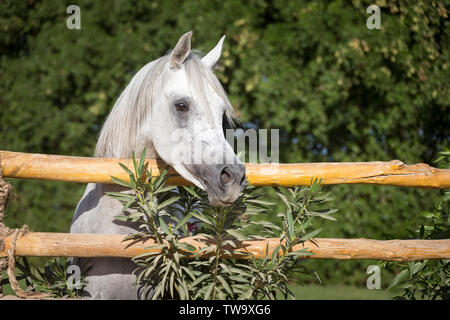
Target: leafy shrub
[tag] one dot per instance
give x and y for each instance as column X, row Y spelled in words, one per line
column 178, row 271
column 52, row 278
column 428, row 279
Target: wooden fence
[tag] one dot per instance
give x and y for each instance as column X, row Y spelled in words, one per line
column 85, row 170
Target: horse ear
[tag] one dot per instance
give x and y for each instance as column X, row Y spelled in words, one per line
column 213, row 56
column 181, row 50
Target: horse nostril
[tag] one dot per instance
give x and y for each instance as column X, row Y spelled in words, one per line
column 225, row 176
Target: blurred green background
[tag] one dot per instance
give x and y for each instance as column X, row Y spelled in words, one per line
column 336, row 90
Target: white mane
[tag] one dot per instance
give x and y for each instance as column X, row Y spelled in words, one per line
column 120, row 134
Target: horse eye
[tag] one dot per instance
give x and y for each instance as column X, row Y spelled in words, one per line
column 181, row 106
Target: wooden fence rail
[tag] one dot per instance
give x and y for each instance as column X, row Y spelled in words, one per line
column 99, row 245
column 85, row 170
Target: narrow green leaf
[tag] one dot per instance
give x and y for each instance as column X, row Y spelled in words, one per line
column 225, row 284
column 128, row 204
column 186, row 246
column 200, row 279
column 164, row 226
column 202, row 217
column 290, row 222
column 191, row 191
column 165, row 189
column 171, row 280
column 135, row 165
column 124, row 167
column 121, row 182
column 311, row 235
column 161, row 178
column 239, row 278
column 121, row 218
column 183, row 220
column 402, row 275
column 142, row 162
column 266, row 203
column 168, row 202
column 120, row 196
column 246, row 295
column 237, row 234
column 208, row 291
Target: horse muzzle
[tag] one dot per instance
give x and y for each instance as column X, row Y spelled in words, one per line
column 223, row 182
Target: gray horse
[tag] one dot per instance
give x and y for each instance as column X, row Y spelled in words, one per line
column 174, row 107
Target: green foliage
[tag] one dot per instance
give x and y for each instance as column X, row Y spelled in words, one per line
column 147, row 206
column 428, row 279
column 336, row 90
column 177, row 270
column 53, row 278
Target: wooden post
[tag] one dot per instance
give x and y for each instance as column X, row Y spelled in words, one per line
column 98, row 245
column 85, row 170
